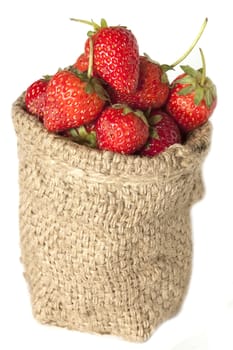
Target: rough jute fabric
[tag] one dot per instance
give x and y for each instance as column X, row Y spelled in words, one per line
column 105, row 238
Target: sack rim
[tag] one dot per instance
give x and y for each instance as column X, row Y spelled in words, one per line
column 175, row 159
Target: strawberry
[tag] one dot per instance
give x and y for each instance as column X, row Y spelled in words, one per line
column 152, row 90
column 72, row 100
column 81, row 63
column 153, row 86
column 120, row 129
column 193, row 97
column 35, row 97
column 164, row 132
column 115, row 55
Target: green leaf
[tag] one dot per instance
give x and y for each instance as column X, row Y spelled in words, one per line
column 73, row 132
column 186, row 90
column 83, row 137
column 119, row 106
column 166, row 67
column 103, row 23
column 90, row 33
column 153, row 133
column 91, row 139
column 127, row 110
column 187, row 79
column 141, row 115
column 99, row 90
column 208, row 98
column 47, row 77
column 147, row 112
column 199, row 95
column 89, row 88
column 80, row 75
column 190, row 71
column 155, row 119
column 164, row 78
column 82, row 132
column 213, row 91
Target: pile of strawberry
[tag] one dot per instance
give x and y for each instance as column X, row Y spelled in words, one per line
column 112, row 98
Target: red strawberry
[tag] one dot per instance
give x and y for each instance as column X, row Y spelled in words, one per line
column 193, row 98
column 164, row 132
column 152, row 90
column 115, row 56
column 120, row 129
column 35, row 97
column 72, row 101
column 153, row 86
column 81, row 63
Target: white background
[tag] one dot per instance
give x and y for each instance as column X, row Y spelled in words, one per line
column 37, row 38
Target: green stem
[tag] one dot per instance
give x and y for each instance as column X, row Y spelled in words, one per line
column 203, row 74
column 90, row 62
column 91, row 23
column 192, row 46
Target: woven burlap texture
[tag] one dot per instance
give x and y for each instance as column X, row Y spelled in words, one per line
column 106, row 239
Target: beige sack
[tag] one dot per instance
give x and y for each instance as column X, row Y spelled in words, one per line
column 105, row 238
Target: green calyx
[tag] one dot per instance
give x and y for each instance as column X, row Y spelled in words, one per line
column 153, row 121
column 96, row 26
column 126, row 110
column 197, row 83
column 153, row 133
column 47, row 77
column 82, row 136
column 93, row 85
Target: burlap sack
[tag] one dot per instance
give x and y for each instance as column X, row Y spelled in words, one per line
column 105, row 238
